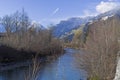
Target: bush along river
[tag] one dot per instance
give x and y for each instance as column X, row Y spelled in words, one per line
column 62, row 68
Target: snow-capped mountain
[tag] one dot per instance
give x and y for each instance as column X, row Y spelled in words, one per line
column 36, row 25
column 66, row 26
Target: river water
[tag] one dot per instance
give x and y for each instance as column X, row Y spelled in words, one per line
column 63, row 68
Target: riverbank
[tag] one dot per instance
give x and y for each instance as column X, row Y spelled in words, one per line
column 58, row 69
column 11, row 58
column 8, row 55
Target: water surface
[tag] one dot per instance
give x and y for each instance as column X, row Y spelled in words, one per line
column 63, row 68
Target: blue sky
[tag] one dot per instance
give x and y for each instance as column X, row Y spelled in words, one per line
column 52, row 11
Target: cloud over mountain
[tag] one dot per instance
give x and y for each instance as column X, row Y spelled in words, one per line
column 103, row 7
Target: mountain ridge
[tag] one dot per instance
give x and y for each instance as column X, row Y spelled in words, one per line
column 64, row 28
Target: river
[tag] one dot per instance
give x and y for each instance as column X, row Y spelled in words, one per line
column 63, row 68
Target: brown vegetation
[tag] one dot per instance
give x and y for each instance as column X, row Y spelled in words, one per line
column 34, row 69
column 21, row 35
column 102, row 46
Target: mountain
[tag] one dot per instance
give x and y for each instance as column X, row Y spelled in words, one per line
column 107, row 19
column 65, row 29
column 2, row 29
column 109, row 13
column 66, row 26
column 37, row 26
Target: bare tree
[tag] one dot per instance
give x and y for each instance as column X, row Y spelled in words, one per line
column 102, row 46
column 28, row 37
column 34, row 69
column 8, row 24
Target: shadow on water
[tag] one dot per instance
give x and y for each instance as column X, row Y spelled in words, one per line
column 60, row 69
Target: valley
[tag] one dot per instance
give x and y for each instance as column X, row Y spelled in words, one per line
column 60, row 40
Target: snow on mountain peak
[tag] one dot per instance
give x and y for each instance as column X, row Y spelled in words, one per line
column 105, row 18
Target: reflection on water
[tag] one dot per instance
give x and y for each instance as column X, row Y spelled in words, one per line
column 61, row 69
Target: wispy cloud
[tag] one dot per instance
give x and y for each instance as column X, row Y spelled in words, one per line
column 55, row 11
